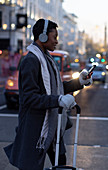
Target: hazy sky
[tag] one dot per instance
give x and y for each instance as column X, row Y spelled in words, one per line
column 92, row 15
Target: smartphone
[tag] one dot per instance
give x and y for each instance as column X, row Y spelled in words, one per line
column 91, row 69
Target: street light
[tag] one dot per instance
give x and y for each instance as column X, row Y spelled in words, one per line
column 4, row 26
column 21, row 20
column 98, row 56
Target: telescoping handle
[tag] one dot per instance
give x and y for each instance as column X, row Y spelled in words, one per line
column 60, row 110
column 78, row 111
column 58, row 135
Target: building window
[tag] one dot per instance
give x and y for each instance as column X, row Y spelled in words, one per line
column 5, row 2
column 4, row 44
column 30, row 9
column 34, row 11
column 47, row 1
column 0, row 19
column 20, row 2
column 20, row 46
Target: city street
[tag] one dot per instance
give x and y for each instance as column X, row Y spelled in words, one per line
column 92, row 150
column 42, row 42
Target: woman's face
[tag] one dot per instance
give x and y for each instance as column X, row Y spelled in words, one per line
column 52, row 40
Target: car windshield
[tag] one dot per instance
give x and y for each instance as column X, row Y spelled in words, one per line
column 75, row 67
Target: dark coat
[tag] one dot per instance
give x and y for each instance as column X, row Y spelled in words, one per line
column 33, row 103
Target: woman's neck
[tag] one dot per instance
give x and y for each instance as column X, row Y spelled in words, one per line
column 40, row 45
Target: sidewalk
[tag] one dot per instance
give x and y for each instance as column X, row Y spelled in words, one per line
column 88, row 158
column 4, row 163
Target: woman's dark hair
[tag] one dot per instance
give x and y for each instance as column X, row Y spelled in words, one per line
column 39, row 26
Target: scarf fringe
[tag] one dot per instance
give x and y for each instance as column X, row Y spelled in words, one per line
column 40, row 143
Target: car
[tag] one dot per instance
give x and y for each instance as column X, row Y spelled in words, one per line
column 11, row 92
column 11, row 88
column 99, row 73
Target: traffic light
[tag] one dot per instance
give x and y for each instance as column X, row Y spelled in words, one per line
column 21, row 20
column 103, row 60
column 92, row 60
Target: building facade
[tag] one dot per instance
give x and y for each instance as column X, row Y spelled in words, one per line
column 16, row 39
column 70, row 33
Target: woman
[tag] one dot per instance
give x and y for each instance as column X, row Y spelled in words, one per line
column 41, row 93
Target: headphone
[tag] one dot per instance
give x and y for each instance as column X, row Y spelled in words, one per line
column 43, row 36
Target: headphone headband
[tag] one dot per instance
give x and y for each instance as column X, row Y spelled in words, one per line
column 45, row 26
column 43, row 36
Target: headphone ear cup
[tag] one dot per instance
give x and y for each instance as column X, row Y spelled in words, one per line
column 43, row 37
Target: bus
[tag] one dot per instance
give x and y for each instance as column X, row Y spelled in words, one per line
column 63, row 61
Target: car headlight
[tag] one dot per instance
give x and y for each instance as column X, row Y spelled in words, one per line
column 75, row 75
column 103, row 73
column 10, row 83
column 107, row 67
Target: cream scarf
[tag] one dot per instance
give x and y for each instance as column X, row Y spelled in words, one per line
column 46, row 80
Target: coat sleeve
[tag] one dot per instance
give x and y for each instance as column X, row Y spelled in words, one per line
column 71, row 86
column 29, row 82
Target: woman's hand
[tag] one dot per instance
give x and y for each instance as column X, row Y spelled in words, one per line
column 85, row 78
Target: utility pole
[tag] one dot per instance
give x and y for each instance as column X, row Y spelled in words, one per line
column 10, row 17
column 105, row 38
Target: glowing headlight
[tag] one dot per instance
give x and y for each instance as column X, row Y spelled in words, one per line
column 10, row 83
column 103, row 73
column 107, row 67
column 75, row 75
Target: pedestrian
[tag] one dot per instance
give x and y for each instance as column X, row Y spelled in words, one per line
column 41, row 93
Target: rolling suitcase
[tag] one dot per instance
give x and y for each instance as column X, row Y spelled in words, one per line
column 66, row 167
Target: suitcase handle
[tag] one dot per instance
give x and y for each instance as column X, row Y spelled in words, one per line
column 60, row 110
column 78, row 109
